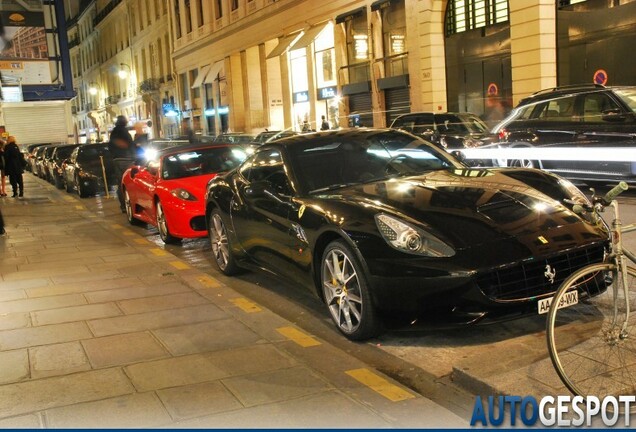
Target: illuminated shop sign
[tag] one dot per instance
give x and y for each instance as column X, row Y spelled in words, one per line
column 211, row 111
column 300, row 97
column 327, row 93
column 169, row 110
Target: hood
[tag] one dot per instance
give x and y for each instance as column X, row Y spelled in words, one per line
column 195, row 185
column 473, row 207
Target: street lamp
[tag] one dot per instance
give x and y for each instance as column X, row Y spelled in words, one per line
column 123, row 74
column 92, row 88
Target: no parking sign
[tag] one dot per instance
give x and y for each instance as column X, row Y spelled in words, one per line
column 492, row 90
column 600, row 77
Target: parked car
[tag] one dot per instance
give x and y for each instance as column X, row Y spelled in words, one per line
column 272, row 135
column 32, row 150
column 43, row 165
column 234, row 138
column 36, row 160
column 84, row 172
column 168, row 192
column 575, row 119
column 379, row 222
column 448, row 130
column 55, row 169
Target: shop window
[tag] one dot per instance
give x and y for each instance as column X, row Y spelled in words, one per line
column 394, row 39
column 358, row 48
column 325, row 60
column 463, row 15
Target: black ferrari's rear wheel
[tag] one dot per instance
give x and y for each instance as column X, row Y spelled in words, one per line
column 346, row 293
column 221, row 248
column 162, row 226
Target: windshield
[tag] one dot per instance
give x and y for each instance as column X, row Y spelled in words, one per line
column 628, row 96
column 459, row 124
column 338, row 161
column 200, row 162
column 63, row 152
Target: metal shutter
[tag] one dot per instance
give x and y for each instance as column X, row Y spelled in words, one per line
column 360, row 104
column 398, row 101
column 34, row 123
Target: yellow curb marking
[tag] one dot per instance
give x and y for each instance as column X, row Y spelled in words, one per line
column 80, row 207
column 179, row 265
column 142, row 241
column 129, row 233
column 245, row 305
column 295, row 335
column 208, row 282
column 380, row 385
column 158, row 251
column 117, row 226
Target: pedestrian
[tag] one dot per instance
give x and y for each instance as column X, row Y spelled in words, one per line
column 140, row 142
column 122, row 150
column 305, row 128
column 14, row 164
column 325, row 124
column 3, row 179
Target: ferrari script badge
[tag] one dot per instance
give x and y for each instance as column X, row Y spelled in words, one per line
column 549, row 273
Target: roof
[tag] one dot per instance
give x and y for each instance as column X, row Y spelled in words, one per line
column 353, row 133
column 190, row 147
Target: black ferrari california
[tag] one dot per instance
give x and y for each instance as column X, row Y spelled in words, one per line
column 380, row 221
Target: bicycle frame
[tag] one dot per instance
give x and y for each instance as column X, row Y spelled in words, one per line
column 618, row 255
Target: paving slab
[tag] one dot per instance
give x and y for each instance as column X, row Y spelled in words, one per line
column 207, row 336
column 139, row 410
column 123, row 349
column 37, row 395
column 199, row 368
column 12, row 295
column 198, row 400
column 75, row 313
column 57, row 359
column 276, row 386
column 162, row 302
column 81, row 287
column 42, row 303
column 30, row 421
column 139, row 290
column 14, row 366
column 44, row 335
column 10, row 321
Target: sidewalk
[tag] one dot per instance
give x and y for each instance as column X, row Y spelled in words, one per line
column 101, row 328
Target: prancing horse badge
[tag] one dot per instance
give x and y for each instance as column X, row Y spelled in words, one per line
column 301, row 211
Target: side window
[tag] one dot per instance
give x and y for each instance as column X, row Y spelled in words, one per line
column 561, row 109
column 267, row 166
column 595, row 104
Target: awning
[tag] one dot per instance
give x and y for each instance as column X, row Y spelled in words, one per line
column 283, row 44
column 203, row 72
column 381, row 4
column 308, row 37
column 214, row 71
column 349, row 15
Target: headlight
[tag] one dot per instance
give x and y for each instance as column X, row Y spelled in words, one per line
column 406, row 238
column 150, row 154
column 183, row 194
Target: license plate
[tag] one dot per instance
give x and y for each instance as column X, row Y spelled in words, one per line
column 570, row 298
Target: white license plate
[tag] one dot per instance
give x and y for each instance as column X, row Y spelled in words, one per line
column 569, row 299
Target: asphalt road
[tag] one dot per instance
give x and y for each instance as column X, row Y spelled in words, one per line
column 421, row 357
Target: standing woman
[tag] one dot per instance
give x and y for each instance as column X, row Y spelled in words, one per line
column 14, row 166
column 3, row 181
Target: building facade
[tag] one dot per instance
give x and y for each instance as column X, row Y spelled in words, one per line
column 247, row 65
column 121, row 61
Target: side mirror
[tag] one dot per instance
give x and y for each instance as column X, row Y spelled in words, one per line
column 257, row 189
column 612, row 115
column 134, row 171
column 459, row 155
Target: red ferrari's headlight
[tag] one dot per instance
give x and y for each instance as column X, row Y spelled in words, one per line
column 183, row 194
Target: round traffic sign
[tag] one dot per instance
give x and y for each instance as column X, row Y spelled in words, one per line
column 492, row 90
column 600, row 77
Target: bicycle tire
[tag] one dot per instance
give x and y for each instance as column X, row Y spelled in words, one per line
column 585, row 347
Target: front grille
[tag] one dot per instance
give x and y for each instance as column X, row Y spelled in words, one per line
column 527, row 280
column 197, row 223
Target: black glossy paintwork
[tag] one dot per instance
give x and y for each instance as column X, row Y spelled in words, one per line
column 491, row 218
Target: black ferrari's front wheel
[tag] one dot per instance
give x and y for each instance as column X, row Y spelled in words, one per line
column 346, row 293
column 221, row 248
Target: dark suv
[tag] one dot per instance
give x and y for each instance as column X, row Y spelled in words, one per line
column 581, row 125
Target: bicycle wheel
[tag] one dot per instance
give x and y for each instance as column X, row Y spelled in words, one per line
column 589, row 351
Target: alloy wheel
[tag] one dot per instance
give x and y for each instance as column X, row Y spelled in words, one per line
column 218, row 238
column 341, row 288
column 161, row 222
column 128, row 205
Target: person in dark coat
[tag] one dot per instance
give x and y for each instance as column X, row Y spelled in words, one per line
column 14, row 166
column 324, row 125
column 3, row 191
column 122, row 150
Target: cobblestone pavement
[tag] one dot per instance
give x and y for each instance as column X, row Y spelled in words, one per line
column 101, row 328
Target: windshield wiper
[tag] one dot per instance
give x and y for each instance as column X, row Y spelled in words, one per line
column 333, row 187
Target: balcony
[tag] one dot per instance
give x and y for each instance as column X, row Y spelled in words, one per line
column 112, row 100
column 104, row 12
column 73, row 42
column 149, row 85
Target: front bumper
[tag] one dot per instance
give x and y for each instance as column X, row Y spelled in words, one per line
column 186, row 219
